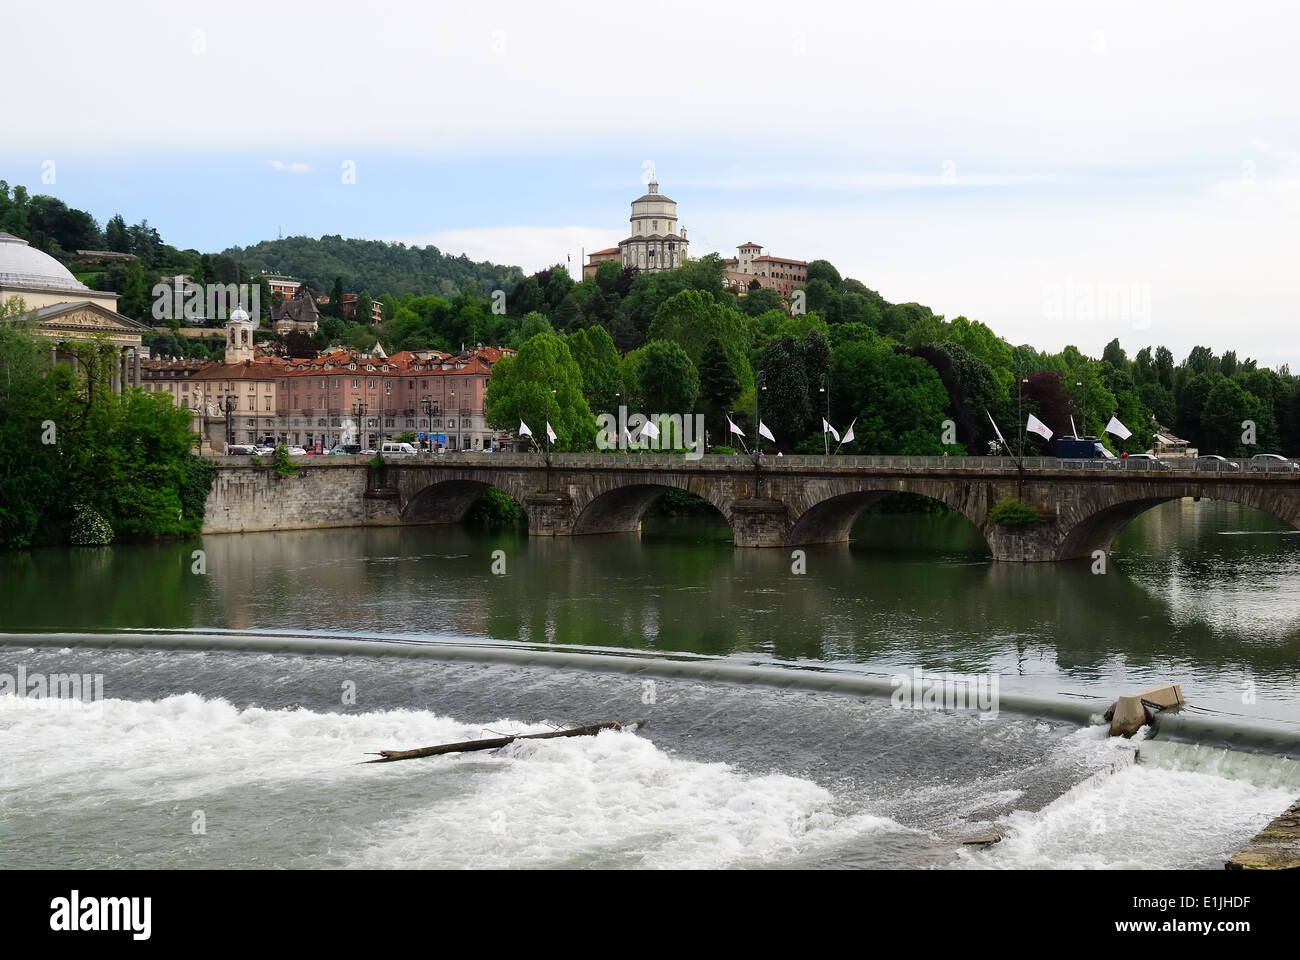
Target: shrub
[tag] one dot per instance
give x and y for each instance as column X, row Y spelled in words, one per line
column 728, row 450
column 495, row 508
column 88, row 528
column 284, row 467
column 1012, row 512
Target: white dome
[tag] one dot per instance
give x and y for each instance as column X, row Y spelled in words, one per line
column 239, row 315
column 25, row 266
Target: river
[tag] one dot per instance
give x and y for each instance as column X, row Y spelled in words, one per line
column 243, row 685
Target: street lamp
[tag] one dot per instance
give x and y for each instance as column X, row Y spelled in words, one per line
column 1020, row 414
column 230, row 425
column 359, row 412
column 826, row 389
column 427, row 403
column 1080, row 383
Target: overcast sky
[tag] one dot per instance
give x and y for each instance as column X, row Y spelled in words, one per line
column 1065, row 172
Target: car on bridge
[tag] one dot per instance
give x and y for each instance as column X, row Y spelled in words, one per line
column 297, row 451
column 1273, row 462
column 1212, row 461
column 1145, row 461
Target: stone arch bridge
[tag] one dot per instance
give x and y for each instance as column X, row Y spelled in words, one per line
column 788, row 501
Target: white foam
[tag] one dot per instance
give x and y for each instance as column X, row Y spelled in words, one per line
column 615, row 799
column 1140, row 815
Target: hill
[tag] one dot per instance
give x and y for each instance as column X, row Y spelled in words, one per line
column 374, row 266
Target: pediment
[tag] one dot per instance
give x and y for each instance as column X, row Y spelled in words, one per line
column 87, row 317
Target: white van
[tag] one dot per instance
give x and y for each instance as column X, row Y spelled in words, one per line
column 393, row 449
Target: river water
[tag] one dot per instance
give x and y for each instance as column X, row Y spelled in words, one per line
column 243, row 686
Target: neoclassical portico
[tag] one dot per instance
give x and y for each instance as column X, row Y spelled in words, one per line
column 66, row 310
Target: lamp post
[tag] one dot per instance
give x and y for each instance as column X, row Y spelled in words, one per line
column 826, row 389
column 427, row 404
column 230, row 424
column 359, row 412
column 1080, row 383
column 1020, row 414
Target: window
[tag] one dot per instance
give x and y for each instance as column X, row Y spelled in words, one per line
column 356, row 383
column 268, row 403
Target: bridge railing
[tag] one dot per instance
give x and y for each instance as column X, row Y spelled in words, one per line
column 997, row 465
column 971, row 465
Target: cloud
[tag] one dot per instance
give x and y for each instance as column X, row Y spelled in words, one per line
column 290, row 167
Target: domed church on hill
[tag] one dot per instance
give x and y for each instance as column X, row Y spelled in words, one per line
column 654, row 242
column 66, row 309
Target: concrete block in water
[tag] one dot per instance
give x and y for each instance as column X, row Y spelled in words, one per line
column 1134, row 711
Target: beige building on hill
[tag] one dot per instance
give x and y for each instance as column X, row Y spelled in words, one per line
column 776, row 273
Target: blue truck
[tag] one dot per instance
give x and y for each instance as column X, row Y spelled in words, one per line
column 1076, row 448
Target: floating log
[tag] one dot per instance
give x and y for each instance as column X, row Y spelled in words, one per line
column 495, row 743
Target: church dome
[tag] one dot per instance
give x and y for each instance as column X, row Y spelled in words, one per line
column 239, row 315
column 25, row 266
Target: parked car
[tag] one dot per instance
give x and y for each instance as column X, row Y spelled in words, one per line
column 1145, row 461
column 263, row 450
column 368, row 453
column 394, row 448
column 1273, row 462
column 297, row 452
column 240, row 450
column 1212, row 461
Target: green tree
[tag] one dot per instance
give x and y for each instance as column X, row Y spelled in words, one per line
column 594, row 352
column 541, row 383
column 661, row 378
column 135, row 301
column 115, row 236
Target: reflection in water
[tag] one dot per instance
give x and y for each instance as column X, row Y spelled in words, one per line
column 1204, row 593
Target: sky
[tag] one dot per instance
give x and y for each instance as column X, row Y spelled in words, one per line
column 1065, row 172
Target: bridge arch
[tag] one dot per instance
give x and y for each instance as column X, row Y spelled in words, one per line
column 828, row 514
column 1098, row 529
column 448, row 501
column 619, row 509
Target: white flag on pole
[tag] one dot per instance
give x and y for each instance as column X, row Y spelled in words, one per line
column 827, row 428
column 734, row 428
column 1037, row 426
column 1001, row 438
column 764, row 432
column 1118, row 429
column 523, row 430
column 550, row 434
column 848, row 434
column 649, row 430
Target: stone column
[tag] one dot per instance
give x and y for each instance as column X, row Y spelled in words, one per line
column 549, row 514
column 759, row 523
column 138, row 379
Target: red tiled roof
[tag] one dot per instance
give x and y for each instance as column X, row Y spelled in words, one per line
column 802, row 263
column 598, row 253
